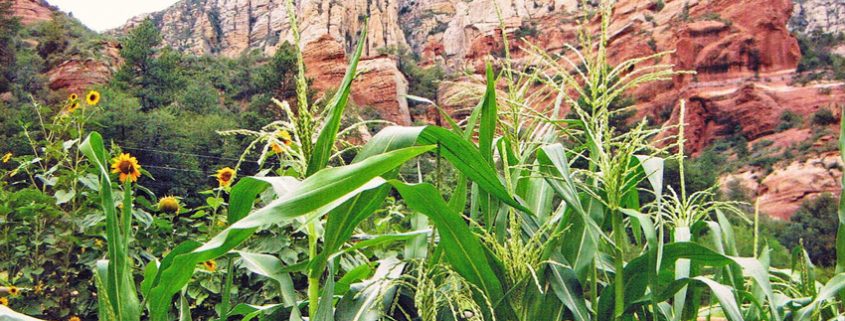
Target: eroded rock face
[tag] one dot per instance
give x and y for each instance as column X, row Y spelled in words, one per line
column 742, row 52
column 782, row 192
column 379, row 85
column 32, row 11
column 78, row 74
column 230, row 27
column 823, row 15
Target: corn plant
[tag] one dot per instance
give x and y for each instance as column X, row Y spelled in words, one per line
column 545, row 221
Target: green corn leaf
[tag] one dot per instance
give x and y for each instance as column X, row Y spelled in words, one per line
column 327, row 189
column 367, row 301
column 583, row 245
column 568, row 289
column 354, row 275
column 828, row 292
column 271, row 267
column 250, row 311
column 489, row 118
column 725, row 297
column 7, row 314
column 462, row 248
column 184, row 308
column 118, row 281
column 325, row 308
column 336, row 106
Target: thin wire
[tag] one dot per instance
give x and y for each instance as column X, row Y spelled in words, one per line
column 185, row 154
column 173, row 168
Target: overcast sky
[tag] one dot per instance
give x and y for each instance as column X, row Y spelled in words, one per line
column 102, row 15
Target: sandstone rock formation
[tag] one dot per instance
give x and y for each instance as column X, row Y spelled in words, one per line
column 80, row 73
column 329, row 30
column 823, row 15
column 742, row 52
column 230, row 27
column 781, row 192
column 77, row 73
column 32, row 11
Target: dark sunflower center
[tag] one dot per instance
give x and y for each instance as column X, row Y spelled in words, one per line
column 126, row 167
column 226, row 176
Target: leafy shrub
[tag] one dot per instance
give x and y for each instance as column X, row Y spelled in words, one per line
column 824, row 117
column 789, row 119
column 814, row 226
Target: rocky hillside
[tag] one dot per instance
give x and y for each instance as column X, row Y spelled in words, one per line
column 744, row 53
column 824, row 15
column 81, row 68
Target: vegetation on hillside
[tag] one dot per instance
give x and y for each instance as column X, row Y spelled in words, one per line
column 141, row 199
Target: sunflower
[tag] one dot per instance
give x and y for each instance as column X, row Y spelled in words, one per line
column 92, row 98
column 7, row 157
column 4, row 301
column 276, row 148
column 72, row 97
column 284, row 136
column 98, row 242
column 127, row 166
column 210, row 265
column 225, row 176
column 38, row 288
column 168, row 204
column 74, row 318
column 14, row 291
column 73, row 107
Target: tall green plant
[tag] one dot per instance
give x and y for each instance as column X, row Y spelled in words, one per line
column 119, row 299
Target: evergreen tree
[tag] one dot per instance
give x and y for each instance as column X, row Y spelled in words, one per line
column 149, row 72
column 814, row 227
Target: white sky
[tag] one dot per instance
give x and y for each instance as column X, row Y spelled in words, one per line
column 102, row 15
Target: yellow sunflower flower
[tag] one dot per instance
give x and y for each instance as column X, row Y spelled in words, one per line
column 284, row 136
column 73, row 107
column 225, row 176
column 276, row 148
column 168, row 204
column 74, row 318
column 127, row 166
column 98, row 242
column 38, row 288
column 4, row 301
column 72, row 97
column 14, row 291
column 7, row 157
column 92, row 98
column 210, row 265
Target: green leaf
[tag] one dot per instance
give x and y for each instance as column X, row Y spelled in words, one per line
column 118, row 281
column 325, row 142
column 565, row 284
column 582, row 248
column 828, row 292
column 362, row 302
column 324, row 190
column 725, row 297
column 184, row 308
column 7, row 314
column 489, row 118
column 271, row 267
column 63, row 196
column 462, row 248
